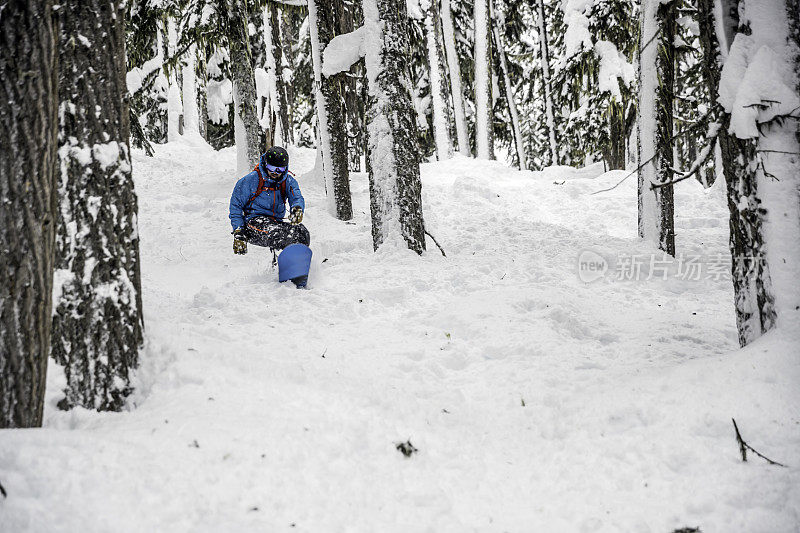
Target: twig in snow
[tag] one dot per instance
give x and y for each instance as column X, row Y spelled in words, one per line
column 406, row 448
column 436, row 242
column 3, row 491
column 743, row 447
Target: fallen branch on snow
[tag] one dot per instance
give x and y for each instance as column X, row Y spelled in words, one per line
column 743, row 447
column 436, row 242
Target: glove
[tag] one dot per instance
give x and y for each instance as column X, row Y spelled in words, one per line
column 296, row 216
column 239, row 242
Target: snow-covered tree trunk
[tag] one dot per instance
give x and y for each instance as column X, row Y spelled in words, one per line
column 287, row 43
column 395, row 185
column 97, row 323
column 349, row 16
column 655, row 119
column 754, row 95
column 752, row 283
column 544, row 59
column 278, row 105
column 174, row 103
column 246, row 128
column 436, row 60
column 459, row 116
column 332, row 127
column 202, row 92
column 484, row 127
column 191, row 115
column 522, row 160
column 28, row 170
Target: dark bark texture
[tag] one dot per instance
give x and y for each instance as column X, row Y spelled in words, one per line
column 665, row 98
column 280, row 83
column 616, row 127
column 28, row 166
column 395, row 185
column 244, row 80
column 752, row 286
column 331, row 90
column 350, row 18
column 97, row 324
column 662, row 160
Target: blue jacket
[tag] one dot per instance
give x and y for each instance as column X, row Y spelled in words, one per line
column 268, row 203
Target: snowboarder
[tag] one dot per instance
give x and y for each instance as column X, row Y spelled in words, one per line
column 257, row 209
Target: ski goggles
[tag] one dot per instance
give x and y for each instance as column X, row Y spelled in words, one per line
column 272, row 169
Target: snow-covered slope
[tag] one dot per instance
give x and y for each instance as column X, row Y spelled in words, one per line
column 538, row 402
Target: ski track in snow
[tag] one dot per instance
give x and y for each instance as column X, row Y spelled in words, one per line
column 538, row 402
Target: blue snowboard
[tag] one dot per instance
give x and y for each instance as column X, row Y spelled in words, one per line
column 294, row 262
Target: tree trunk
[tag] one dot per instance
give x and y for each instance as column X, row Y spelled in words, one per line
column 202, row 91
column 288, row 39
column 247, row 130
column 395, row 185
column 544, row 57
column 519, row 142
column 332, row 127
column 484, row 130
column 616, row 127
column 277, row 87
column 349, row 16
column 441, row 122
column 28, row 170
column 449, row 38
column 97, row 324
column 174, row 101
column 752, row 283
column 656, row 95
column 191, row 116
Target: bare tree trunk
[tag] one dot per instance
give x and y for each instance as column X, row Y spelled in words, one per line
column 395, row 185
column 333, row 130
column 484, row 123
column 349, row 16
column 656, row 95
column 438, row 86
column 616, row 127
column 752, row 285
column 202, row 91
column 288, row 40
column 519, row 142
column 28, row 170
column 462, row 132
column 248, row 132
column 544, row 58
column 280, row 104
column 97, row 324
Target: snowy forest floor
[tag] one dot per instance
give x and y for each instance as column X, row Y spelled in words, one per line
column 538, row 402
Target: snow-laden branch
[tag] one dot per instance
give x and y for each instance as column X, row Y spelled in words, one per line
column 343, row 52
column 751, row 88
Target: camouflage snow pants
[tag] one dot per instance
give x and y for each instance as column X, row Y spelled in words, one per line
column 275, row 234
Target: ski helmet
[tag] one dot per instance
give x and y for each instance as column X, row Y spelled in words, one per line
column 276, row 156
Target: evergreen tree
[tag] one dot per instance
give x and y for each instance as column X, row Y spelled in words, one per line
column 454, row 72
column 656, row 95
column 331, row 119
column 438, row 85
column 484, row 116
column 395, row 185
column 234, row 15
column 28, row 171
column 97, row 323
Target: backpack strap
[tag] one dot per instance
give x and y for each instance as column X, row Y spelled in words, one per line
column 261, row 188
